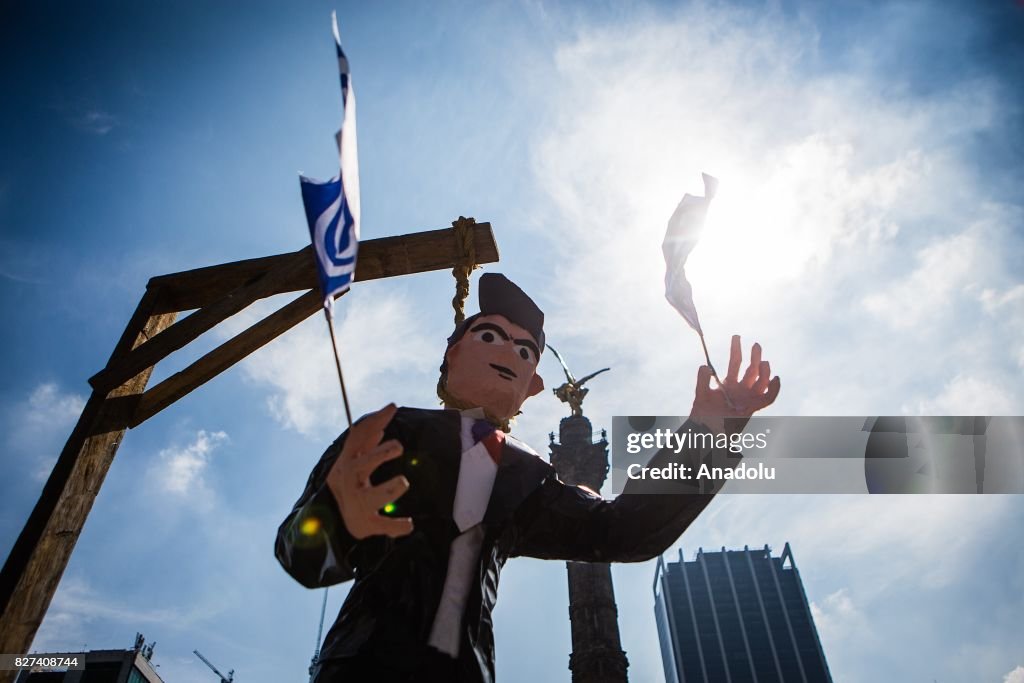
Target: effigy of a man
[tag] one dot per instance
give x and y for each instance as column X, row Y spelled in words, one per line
column 423, row 507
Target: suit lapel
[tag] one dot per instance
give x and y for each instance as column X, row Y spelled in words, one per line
column 431, row 461
column 519, row 474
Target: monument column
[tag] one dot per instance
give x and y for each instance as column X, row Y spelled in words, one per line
column 597, row 655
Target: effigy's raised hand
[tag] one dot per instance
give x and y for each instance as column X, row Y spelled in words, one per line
column 359, row 501
column 737, row 398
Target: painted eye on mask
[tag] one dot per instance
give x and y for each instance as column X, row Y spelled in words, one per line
column 526, row 353
column 489, row 337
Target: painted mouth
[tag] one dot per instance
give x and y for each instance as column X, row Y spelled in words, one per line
column 503, row 372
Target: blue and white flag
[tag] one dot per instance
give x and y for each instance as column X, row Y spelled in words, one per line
column 684, row 228
column 332, row 206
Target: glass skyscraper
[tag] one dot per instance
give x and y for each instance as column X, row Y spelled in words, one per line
column 736, row 616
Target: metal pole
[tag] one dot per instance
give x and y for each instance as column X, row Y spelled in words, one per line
column 337, row 364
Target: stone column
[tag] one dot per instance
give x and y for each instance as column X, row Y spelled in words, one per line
column 597, row 655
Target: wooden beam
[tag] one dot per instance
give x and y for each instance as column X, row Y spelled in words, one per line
column 391, row 256
column 227, row 354
column 224, row 356
column 378, row 258
column 191, row 289
column 36, row 563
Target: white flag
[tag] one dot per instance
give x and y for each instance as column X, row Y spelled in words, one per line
column 681, row 237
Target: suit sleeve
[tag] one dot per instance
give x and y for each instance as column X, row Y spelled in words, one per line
column 313, row 544
column 562, row 522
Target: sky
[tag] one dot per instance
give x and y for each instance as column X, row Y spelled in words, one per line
column 868, row 231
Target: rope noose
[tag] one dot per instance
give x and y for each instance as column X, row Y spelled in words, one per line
column 465, row 263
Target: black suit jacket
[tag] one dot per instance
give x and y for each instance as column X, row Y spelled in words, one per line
column 385, row 622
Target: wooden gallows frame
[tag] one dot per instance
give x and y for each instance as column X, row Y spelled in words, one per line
column 120, row 400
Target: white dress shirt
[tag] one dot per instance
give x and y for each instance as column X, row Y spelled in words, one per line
column 477, row 470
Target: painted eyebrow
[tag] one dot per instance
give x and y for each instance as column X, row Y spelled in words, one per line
column 504, row 335
column 491, row 326
column 529, row 343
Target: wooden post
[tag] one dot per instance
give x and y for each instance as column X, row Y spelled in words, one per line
column 39, row 556
column 37, row 561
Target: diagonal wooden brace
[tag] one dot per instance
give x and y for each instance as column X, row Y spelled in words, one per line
column 175, row 337
column 224, row 356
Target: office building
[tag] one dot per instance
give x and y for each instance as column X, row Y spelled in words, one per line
column 736, row 616
column 96, row 666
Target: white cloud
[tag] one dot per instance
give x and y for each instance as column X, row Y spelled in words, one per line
column 17, row 277
column 41, row 422
column 995, row 302
column 77, row 606
column 49, row 406
column 837, row 617
column 871, row 526
column 1006, row 309
column 1015, row 676
column 381, row 345
column 850, row 234
column 95, row 121
column 944, row 268
column 964, row 395
column 181, row 469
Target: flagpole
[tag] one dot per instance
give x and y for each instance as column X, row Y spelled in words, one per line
column 337, row 364
column 319, row 639
column 714, row 374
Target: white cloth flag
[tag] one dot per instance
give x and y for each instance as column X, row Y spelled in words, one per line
column 348, row 153
column 684, row 228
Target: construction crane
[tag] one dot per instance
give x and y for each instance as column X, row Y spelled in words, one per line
column 231, row 674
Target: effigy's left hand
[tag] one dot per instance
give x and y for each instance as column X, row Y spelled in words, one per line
column 737, row 398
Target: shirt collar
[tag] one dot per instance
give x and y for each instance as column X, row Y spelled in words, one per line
column 473, row 413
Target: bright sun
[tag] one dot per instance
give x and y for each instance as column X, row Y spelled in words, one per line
column 751, row 238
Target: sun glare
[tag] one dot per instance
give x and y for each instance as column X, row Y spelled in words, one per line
column 751, row 239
